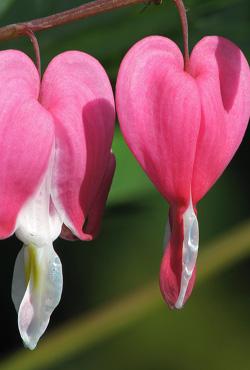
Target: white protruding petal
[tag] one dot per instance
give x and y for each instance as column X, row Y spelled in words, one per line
column 39, row 223
column 38, row 277
column 37, row 280
column 189, row 251
column 19, row 284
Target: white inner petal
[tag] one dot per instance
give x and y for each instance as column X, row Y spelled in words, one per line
column 35, row 223
column 189, row 251
column 36, row 290
column 37, row 280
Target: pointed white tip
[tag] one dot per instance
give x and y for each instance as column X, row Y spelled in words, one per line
column 189, row 251
column 178, row 305
column 36, row 291
column 29, row 344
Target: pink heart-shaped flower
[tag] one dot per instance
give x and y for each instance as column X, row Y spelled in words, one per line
column 184, row 128
column 56, row 170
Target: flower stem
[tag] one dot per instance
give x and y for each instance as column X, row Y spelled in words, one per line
column 35, row 44
column 184, row 24
column 84, row 11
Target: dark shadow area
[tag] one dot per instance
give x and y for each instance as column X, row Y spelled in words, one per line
column 230, row 67
column 98, row 124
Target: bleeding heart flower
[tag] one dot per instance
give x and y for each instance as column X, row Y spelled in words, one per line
column 183, row 126
column 56, row 170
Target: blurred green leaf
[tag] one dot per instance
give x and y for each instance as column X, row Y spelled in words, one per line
column 130, row 180
column 5, row 5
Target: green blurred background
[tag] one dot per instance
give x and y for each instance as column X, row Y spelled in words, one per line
column 212, row 332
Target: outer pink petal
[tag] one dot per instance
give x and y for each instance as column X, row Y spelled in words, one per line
column 26, row 136
column 95, row 214
column 77, row 92
column 98, row 206
column 158, row 108
column 223, row 79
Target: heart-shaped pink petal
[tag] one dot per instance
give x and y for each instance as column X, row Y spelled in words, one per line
column 77, row 92
column 26, row 136
column 183, row 127
column 223, row 79
column 158, row 107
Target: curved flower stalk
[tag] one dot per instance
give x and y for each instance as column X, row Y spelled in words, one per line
column 56, row 170
column 183, row 127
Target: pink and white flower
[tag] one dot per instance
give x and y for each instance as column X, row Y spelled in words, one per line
column 183, row 127
column 56, row 170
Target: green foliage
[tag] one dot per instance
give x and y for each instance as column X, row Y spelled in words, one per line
column 4, row 6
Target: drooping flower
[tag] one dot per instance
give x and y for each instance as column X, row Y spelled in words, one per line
column 183, row 127
column 56, row 170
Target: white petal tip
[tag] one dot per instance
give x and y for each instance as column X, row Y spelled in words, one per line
column 178, row 305
column 29, row 344
column 36, row 298
column 189, row 252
